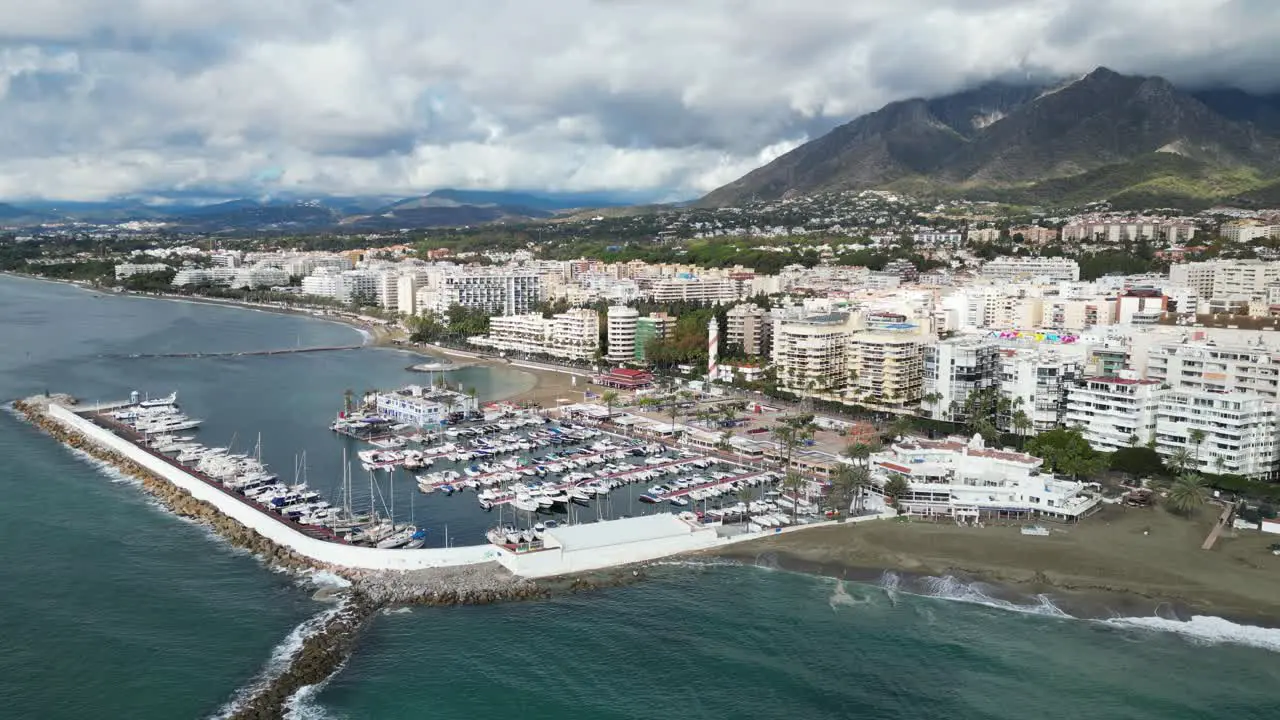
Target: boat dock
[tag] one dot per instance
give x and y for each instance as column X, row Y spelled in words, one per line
column 507, row 496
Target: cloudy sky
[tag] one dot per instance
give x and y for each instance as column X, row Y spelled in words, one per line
column 672, row 98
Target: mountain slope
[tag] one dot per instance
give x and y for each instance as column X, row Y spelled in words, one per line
column 1000, row 136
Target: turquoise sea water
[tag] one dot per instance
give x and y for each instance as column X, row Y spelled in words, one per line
column 110, row 608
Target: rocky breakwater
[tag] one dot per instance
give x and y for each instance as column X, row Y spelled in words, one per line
column 172, row 497
column 324, row 642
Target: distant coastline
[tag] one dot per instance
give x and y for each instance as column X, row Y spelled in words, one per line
column 547, row 387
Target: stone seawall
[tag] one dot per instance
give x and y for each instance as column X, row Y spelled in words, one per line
column 320, row 551
column 173, row 498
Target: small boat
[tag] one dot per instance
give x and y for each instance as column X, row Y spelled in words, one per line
column 1037, row 530
column 650, row 499
column 418, row 540
column 678, row 501
column 399, row 538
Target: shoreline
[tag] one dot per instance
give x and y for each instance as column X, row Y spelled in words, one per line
column 548, row 385
column 1134, row 563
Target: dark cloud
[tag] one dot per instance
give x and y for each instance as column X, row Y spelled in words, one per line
column 397, row 96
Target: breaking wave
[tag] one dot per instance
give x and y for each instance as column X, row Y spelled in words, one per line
column 974, row 593
column 1206, row 629
column 281, row 658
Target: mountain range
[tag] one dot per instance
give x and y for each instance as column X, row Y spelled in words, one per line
column 1125, row 139
column 440, row 208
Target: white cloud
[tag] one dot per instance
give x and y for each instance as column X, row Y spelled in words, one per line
column 102, row 97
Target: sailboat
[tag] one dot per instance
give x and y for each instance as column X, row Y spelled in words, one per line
column 347, row 521
column 401, row 534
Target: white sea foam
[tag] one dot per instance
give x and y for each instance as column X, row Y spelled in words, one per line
column 889, row 582
column 1206, row 629
column 952, row 588
column 840, row 597
column 303, row 705
column 281, row 656
column 327, row 578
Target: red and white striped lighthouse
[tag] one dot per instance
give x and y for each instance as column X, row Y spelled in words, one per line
column 713, row 347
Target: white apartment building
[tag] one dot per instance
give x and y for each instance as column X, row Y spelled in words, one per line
column 204, row 276
column 575, row 334
column 305, row 264
column 621, row 333
column 1114, row 412
column 124, row 270
column 887, row 369
column 1018, row 269
column 940, row 239
column 572, row 335
column 1246, row 231
column 260, row 276
column 498, row 293
column 747, row 327
column 1215, row 368
column 1227, row 279
column 1241, row 431
column 344, row 286
column 1076, row 314
column 407, row 287
column 1115, row 231
column 1036, row 381
column 955, row 369
column 811, row 354
column 966, row 480
column 703, row 290
column 1197, row 276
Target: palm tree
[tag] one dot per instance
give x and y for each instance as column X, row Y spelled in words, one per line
column 900, row 427
column 859, row 453
column 1186, row 495
column 1179, row 460
column 1021, row 423
column 471, row 393
column 610, row 397
column 927, row 400
column 793, row 482
column 348, row 399
column 1197, row 437
column 787, row 437
column 896, row 487
column 724, row 444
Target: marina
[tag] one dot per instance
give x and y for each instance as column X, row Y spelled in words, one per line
column 539, row 494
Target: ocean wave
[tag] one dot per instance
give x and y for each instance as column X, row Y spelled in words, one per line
column 840, row 597
column 890, row 582
column 1206, row 629
column 327, row 578
column 281, row 657
column 700, row 564
column 949, row 587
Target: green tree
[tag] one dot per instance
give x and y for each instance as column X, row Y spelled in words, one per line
column 1187, row 494
column 1179, row 460
column 610, row 398
column 1197, row 438
column 793, row 483
column 896, row 487
column 1139, row 461
column 1065, row 451
column 1021, row 424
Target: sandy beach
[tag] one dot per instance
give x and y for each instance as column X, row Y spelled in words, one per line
column 1127, row 561
column 549, row 385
